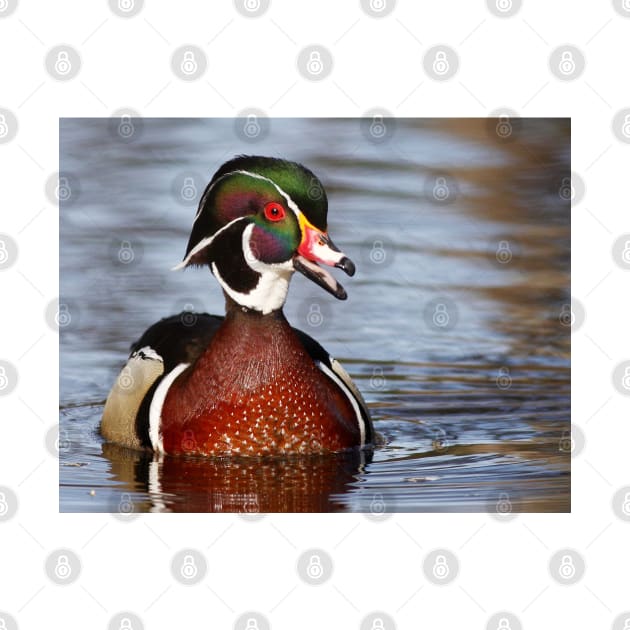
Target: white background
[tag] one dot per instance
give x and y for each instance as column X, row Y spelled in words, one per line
column 252, row 63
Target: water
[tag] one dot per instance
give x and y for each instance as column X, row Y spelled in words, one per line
column 459, row 346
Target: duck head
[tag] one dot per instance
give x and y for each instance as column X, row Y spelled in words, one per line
column 259, row 220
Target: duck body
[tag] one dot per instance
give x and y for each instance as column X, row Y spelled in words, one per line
column 247, row 384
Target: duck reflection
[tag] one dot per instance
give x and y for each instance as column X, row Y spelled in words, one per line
column 246, row 485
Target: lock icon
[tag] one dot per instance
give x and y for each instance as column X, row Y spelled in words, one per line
column 189, row 64
column 189, row 190
column 377, row 505
column 440, row 63
column 63, row 570
column 504, row 127
column 378, row 5
column 251, row 624
column 504, row 505
column 252, row 126
column 504, row 253
column 314, row 570
column 567, row 63
column 63, row 317
column 626, row 623
column 566, row 444
column 504, row 5
column 4, row 254
column 378, row 624
column 126, row 5
column 315, row 189
column 441, row 318
column 566, row 317
column 441, row 191
column 566, row 192
column 626, row 378
column 504, row 380
column 625, row 129
column 378, row 253
column 314, row 64
column 567, row 568
column 188, row 316
column 125, row 624
column 315, row 317
column 189, row 569
column 126, row 254
column 125, row 505
column 378, row 128
column 63, row 192
column 125, row 379
column 625, row 506
column 4, row 128
column 4, row 506
column 504, row 624
column 188, row 441
column 4, row 379
column 378, row 379
column 3, row 623
column 441, row 568
column 252, row 5
column 62, row 63
column 625, row 255
column 125, row 127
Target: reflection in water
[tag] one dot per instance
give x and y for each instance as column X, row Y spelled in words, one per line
column 249, row 485
column 448, row 220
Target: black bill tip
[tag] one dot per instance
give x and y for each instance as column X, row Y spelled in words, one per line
column 347, row 265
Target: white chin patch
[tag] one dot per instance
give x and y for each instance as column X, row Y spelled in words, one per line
column 270, row 293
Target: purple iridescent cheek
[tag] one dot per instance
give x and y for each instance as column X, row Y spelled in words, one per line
column 272, row 247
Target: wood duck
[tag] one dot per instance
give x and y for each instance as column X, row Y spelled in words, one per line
column 248, row 383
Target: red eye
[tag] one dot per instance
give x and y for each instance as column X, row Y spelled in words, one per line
column 274, row 211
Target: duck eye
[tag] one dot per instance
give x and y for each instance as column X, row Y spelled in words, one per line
column 274, row 211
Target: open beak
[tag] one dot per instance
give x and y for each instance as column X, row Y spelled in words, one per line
column 316, row 247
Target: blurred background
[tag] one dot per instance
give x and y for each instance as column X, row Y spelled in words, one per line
column 456, row 329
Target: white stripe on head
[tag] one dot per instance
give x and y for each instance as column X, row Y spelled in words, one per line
column 157, row 402
column 353, row 401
